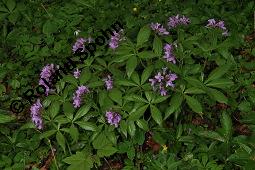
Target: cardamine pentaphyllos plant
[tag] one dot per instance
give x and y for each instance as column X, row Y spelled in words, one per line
column 168, row 80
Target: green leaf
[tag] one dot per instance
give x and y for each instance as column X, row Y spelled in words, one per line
column 121, row 58
column 74, row 133
column 6, row 118
column 47, row 134
column 175, row 103
column 116, row 95
column 194, row 104
column 194, row 90
column 68, row 110
column 156, row 114
column 87, row 125
column 85, row 3
column 81, row 160
column 226, row 123
column 217, row 95
column 141, row 123
column 179, row 131
column 195, row 82
column 146, row 73
column 143, row 35
column 146, row 55
column 220, row 83
column 149, row 95
column 61, row 140
column 70, row 79
column 107, row 150
column 135, row 98
column 100, row 141
column 123, row 127
column 11, row 4
column 212, row 135
column 82, row 111
column 96, row 84
column 218, row 72
column 125, row 83
column 135, row 77
column 157, row 45
column 50, row 27
column 54, row 109
column 131, row 65
column 159, row 99
column 85, row 76
column 104, row 100
column 135, row 115
column 131, row 128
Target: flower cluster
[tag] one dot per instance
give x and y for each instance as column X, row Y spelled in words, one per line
column 113, row 118
column 169, row 56
column 163, row 80
column 36, row 114
column 77, row 73
column 77, row 95
column 79, row 44
column 159, row 29
column 46, row 77
column 108, row 82
column 220, row 24
column 115, row 39
column 174, row 21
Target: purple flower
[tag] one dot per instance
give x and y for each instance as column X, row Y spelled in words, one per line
column 220, row 24
column 158, row 77
column 211, row 23
column 169, row 56
column 162, row 81
column 46, row 77
column 79, row 44
column 153, row 81
column 113, row 118
column 163, row 92
column 108, row 82
column 36, row 114
column 115, row 39
column 77, row 73
column 174, row 21
column 77, row 95
column 159, row 29
column 171, row 77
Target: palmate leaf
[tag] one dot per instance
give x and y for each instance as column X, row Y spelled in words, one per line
column 81, row 160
